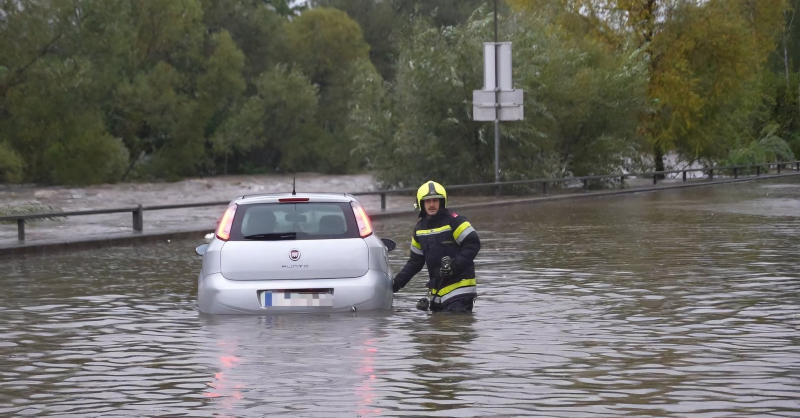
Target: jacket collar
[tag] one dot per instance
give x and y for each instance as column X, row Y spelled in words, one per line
column 443, row 213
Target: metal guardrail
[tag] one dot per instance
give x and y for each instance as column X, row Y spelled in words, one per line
column 138, row 211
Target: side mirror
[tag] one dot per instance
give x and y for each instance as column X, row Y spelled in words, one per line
column 201, row 249
column 390, row 245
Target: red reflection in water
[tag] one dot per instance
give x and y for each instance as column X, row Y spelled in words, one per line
column 226, row 390
column 365, row 391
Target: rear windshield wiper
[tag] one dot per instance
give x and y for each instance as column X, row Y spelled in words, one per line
column 272, row 237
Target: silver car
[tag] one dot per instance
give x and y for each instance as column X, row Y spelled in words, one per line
column 305, row 252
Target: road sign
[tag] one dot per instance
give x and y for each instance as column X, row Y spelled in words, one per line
column 489, row 104
column 509, row 102
column 497, row 73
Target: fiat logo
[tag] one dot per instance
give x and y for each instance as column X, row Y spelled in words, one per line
column 294, row 255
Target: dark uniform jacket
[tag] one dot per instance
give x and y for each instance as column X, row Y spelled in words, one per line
column 444, row 234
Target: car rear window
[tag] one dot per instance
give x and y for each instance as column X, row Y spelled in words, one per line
column 311, row 220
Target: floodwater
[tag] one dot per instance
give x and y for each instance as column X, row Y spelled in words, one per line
column 670, row 304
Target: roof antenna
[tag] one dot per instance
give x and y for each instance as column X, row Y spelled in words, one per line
column 294, row 180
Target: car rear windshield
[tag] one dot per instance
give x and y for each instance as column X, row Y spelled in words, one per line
column 300, row 221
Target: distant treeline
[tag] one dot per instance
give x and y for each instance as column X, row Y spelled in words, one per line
column 98, row 91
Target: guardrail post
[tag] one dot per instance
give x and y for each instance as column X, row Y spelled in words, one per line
column 21, row 229
column 779, row 168
column 544, row 188
column 735, row 172
column 621, row 181
column 711, row 174
column 758, row 170
column 655, row 178
column 138, row 219
column 797, row 166
column 383, row 202
column 684, row 177
column 585, row 185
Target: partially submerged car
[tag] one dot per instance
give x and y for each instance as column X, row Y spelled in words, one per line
column 304, row 252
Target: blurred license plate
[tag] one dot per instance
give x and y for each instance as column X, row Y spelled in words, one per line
column 297, row 298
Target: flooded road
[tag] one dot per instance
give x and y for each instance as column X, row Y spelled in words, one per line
column 670, row 304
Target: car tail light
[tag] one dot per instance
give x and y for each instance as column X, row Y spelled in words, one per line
column 364, row 224
column 225, row 224
column 293, row 199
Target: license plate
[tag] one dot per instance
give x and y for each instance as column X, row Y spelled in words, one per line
column 297, row 298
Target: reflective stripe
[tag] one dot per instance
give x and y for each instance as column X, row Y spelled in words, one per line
column 415, row 250
column 434, row 230
column 462, row 231
column 414, row 243
column 432, row 196
column 460, row 291
column 464, row 234
column 454, row 286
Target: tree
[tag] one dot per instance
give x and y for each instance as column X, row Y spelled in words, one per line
column 379, row 22
column 324, row 43
column 50, row 116
column 580, row 105
column 329, row 48
column 782, row 86
column 11, row 164
column 257, row 30
column 703, row 64
column 275, row 128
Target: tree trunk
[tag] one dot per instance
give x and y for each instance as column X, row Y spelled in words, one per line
column 658, row 156
column 130, row 167
column 786, row 60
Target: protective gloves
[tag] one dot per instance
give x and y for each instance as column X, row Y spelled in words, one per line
column 395, row 285
column 446, row 271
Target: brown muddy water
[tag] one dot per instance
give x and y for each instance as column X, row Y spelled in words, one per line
column 682, row 303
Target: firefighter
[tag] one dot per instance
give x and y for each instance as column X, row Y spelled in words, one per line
column 442, row 234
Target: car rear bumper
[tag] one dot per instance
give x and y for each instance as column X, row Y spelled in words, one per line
column 218, row 295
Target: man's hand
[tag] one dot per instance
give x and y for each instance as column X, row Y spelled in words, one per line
column 395, row 286
column 446, row 271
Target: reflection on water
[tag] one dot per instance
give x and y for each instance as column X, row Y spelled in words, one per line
column 678, row 303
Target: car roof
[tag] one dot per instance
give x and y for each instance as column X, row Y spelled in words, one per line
column 313, row 197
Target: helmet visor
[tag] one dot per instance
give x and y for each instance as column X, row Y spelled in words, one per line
column 432, row 196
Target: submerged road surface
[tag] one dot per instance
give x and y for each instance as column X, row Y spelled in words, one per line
column 669, row 304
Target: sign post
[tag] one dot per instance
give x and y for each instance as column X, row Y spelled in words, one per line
column 498, row 100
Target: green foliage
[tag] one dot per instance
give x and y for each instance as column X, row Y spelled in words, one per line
column 769, row 148
column 579, row 108
column 98, row 91
column 328, row 47
column 442, row 13
column 324, row 42
column 258, row 32
column 588, row 98
column 703, row 64
column 11, row 164
column 379, row 22
column 274, row 128
column 384, row 22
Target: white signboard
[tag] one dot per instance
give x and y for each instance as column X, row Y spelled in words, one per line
column 509, row 103
column 506, row 104
column 490, row 66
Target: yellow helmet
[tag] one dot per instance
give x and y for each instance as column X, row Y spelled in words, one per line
column 431, row 190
